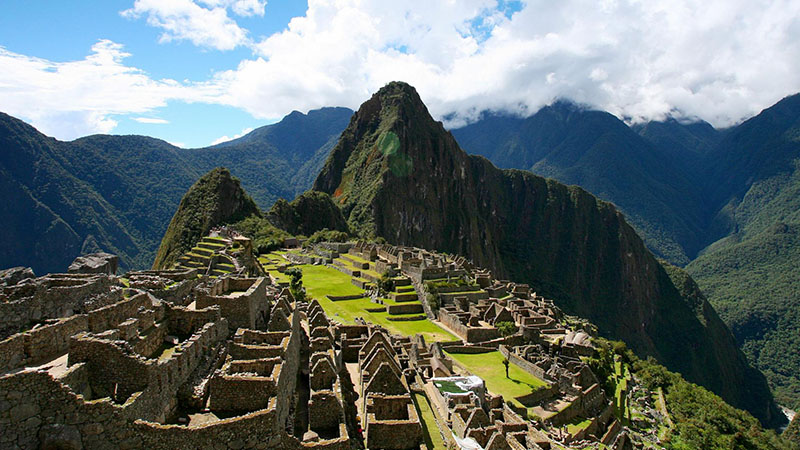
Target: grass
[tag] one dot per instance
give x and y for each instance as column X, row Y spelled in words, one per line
column 489, row 366
column 321, row 281
column 577, row 424
column 622, row 407
column 433, row 438
column 356, row 258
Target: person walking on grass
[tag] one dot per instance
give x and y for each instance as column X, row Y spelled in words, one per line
column 505, row 363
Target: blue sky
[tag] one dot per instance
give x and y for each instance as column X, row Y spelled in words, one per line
column 194, row 72
column 66, row 30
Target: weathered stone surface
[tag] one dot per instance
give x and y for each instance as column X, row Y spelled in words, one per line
column 12, row 276
column 23, row 411
column 63, row 437
column 100, row 262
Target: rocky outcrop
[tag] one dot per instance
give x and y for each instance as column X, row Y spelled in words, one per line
column 100, row 262
column 216, row 198
column 398, row 174
column 12, row 276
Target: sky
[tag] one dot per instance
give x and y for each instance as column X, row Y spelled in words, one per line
column 197, row 72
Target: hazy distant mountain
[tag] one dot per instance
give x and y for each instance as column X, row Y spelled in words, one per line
column 118, row 193
column 600, row 153
column 751, row 272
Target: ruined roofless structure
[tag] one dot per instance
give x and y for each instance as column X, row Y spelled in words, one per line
column 192, row 358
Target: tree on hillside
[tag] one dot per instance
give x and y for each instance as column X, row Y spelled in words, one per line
column 296, row 284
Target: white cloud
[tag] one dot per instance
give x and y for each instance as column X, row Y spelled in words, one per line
column 720, row 60
column 186, row 20
column 75, row 98
column 243, row 8
column 222, row 139
column 151, row 120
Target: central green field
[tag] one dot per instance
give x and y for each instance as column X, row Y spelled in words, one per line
column 489, row 366
column 321, row 281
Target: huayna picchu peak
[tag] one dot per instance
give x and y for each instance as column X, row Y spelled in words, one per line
column 399, row 175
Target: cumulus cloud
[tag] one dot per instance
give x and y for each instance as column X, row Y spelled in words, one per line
column 244, row 8
column 186, row 20
column 76, row 98
column 222, row 139
column 719, row 60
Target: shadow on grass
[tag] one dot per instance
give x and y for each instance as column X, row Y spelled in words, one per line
column 533, row 387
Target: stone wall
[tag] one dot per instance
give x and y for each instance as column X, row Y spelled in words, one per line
column 184, row 321
column 242, row 311
column 52, row 297
column 525, row 365
column 43, row 343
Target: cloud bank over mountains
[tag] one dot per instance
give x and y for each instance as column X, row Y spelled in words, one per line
column 718, row 60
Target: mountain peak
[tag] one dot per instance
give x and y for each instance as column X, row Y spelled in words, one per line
column 216, row 198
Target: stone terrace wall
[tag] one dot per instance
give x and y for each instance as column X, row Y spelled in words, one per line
column 39, row 407
column 43, row 343
column 183, row 321
column 469, row 334
column 526, row 365
column 53, row 297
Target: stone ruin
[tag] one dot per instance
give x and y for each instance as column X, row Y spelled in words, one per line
column 183, row 359
column 388, row 415
column 233, row 363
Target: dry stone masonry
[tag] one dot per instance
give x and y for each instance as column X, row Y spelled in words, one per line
column 198, row 357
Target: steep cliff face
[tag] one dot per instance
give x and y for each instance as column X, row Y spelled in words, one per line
column 398, row 174
column 215, row 198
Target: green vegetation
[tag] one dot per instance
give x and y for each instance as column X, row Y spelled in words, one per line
column 577, row 424
column 432, row 435
column 700, row 419
column 326, row 235
column 754, row 286
column 296, row 284
column 307, row 214
column 266, row 237
column 448, row 386
column 215, row 199
column 489, row 366
column 506, row 328
column 118, row 193
column 792, row 432
column 386, row 284
column 321, row 281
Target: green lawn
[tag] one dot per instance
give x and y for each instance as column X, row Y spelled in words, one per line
column 577, row 424
column 356, row 258
column 433, row 438
column 489, row 366
column 322, row 280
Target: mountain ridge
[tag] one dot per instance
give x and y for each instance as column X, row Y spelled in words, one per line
column 118, row 193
